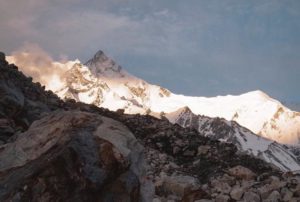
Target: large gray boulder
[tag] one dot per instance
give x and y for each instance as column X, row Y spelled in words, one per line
column 74, row 156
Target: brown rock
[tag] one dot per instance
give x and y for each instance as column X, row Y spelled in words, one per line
column 72, row 156
column 242, row 173
column 286, row 194
column 179, row 185
column 274, row 197
column 236, row 193
column 222, row 198
column 221, row 187
column 251, row 197
column 195, row 195
column 203, row 149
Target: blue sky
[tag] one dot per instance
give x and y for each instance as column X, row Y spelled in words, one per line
column 193, row 47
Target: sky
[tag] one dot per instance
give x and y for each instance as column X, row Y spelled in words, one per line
column 192, row 47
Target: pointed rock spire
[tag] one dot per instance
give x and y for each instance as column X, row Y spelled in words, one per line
column 101, row 64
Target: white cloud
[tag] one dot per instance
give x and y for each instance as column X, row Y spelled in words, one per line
column 35, row 62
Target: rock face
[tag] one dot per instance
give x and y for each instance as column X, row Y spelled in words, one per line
column 54, row 150
column 68, row 156
column 21, row 101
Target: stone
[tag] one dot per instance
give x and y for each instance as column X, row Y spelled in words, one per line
column 295, row 199
column 247, row 184
column 189, row 153
column 265, row 191
column 179, row 185
column 156, row 200
column 194, row 195
column 236, row 193
column 163, row 157
column 296, row 190
column 222, row 198
column 221, row 187
column 179, row 143
column 251, row 197
column 176, row 150
column 203, row 149
column 242, row 173
column 228, row 179
column 286, row 194
column 173, row 165
column 124, row 188
column 69, row 148
column 274, row 197
column 276, row 183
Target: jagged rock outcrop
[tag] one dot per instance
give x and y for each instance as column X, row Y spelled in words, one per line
column 70, row 151
column 282, row 156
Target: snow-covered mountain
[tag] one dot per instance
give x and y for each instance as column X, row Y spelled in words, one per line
column 104, row 83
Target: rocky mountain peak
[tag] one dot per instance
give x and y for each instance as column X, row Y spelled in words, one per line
column 100, row 64
column 100, row 56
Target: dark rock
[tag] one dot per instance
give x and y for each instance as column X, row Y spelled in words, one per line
column 2, row 56
column 61, row 157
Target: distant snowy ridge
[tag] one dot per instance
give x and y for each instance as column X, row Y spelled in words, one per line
column 245, row 140
column 108, row 85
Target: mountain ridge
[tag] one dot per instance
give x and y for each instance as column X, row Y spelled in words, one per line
column 268, row 112
column 105, row 84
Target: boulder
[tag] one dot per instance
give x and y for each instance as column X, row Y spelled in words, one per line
column 203, row 149
column 274, row 197
column 65, row 156
column 286, row 194
column 251, row 197
column 265, row 191
column 236, row 193
column 221, row 187
column 242, row 173
column 222, row 198
column 276, row 183
column 179, row 184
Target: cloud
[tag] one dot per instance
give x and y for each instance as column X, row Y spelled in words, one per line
column 35, row 62
column 69, row 27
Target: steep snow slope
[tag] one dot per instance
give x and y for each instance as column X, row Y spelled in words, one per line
column 104, row 83
column 229, row 131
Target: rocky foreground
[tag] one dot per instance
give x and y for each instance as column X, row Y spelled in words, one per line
column 54, row 150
